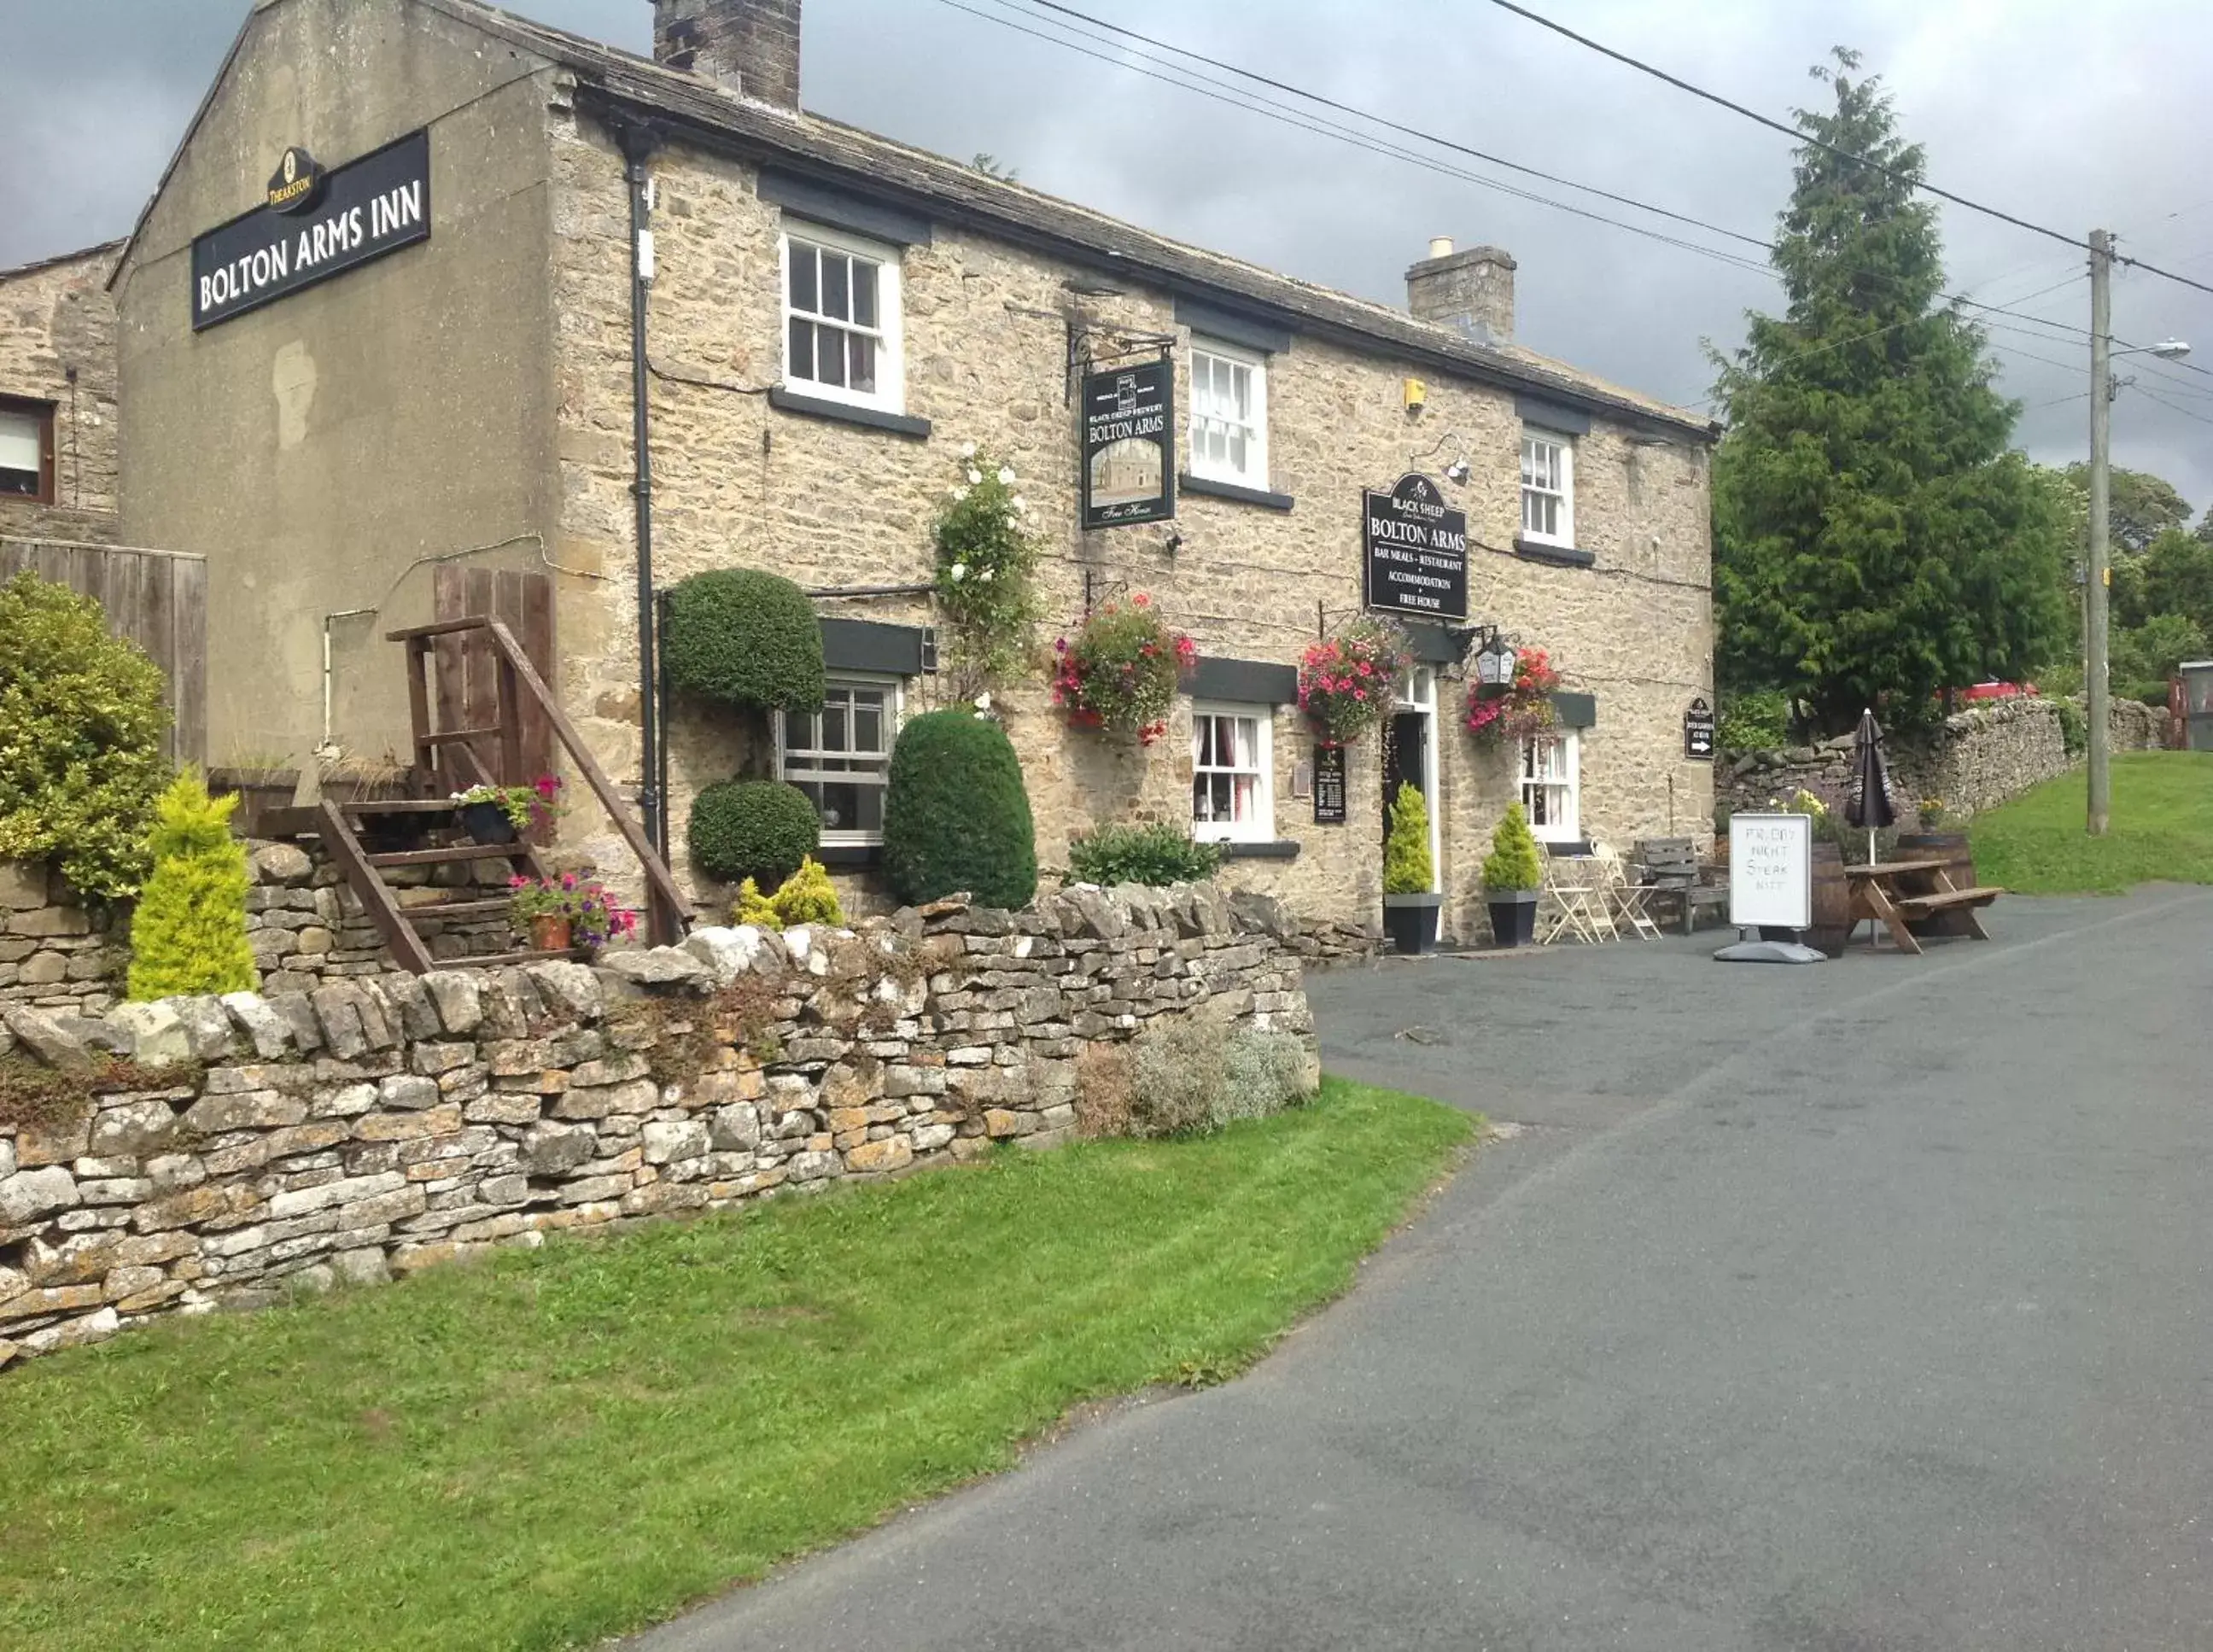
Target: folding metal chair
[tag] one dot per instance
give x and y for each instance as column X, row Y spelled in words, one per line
column 1630, row 899
column 1578, row 899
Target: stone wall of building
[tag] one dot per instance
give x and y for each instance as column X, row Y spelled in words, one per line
column 222, row 1151
column 1977, row 759
column 57, row 345
column 986, row 327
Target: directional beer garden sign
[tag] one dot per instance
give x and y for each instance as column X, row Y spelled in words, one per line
column 1698, row 731
column 1414, row 552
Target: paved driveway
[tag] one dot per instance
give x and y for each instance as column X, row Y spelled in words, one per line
column 1861, row 1307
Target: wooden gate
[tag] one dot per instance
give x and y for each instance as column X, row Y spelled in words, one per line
column 467, row 671
column 157, row 599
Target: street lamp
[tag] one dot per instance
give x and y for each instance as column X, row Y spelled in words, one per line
column 1495, row 662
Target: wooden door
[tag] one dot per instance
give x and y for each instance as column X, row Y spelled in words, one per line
column 464, row 669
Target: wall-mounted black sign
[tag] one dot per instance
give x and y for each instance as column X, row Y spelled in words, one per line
column 1329, row 786
column 1415, row 546
column 1698, row 731
column 361, row 211
column 1129, row 431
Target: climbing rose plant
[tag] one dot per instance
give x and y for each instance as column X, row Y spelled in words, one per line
column 1497, row 714
column 1119, row 672
column 1346, row 681
column 987, row 564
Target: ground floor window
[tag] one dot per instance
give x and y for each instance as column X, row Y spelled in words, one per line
column 1231, row 790
column 841, row 755
column 1551, row 786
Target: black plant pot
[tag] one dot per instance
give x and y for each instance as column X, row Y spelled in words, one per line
column 1513, row 916
column 1411, row 921
column 487, row 823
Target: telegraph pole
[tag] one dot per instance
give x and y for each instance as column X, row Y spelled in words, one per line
column 2097, row 586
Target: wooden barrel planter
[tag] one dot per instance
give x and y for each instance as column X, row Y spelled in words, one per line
column 1951, row 849
column 1832, row 901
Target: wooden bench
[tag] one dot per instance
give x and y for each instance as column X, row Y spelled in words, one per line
column 1943, row 900
column 1672, row 864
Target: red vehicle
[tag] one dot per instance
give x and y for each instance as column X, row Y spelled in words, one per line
column 1999, row 692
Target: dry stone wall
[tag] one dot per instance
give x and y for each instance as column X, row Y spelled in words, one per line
column 57, row 951
column 220, row 1152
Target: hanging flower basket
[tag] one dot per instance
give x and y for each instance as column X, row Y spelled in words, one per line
column 1502, row 713
column 1120, row 670
column 1346, row 682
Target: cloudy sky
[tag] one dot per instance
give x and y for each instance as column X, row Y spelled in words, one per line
column 2068, row 115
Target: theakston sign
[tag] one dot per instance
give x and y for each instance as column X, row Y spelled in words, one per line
column 317, row 224
column 1414, row 549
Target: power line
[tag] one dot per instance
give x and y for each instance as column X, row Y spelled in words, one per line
column 2172, row 406
column 1796, row 134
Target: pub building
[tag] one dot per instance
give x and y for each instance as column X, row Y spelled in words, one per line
column 386, row 324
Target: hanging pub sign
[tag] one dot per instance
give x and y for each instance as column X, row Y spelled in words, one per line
column 315, row 224
column 1698, row 731
column 1414, row 552
column 1129, row 430
column 1329, row 786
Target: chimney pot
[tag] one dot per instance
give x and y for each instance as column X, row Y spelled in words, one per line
column 1470, row 292
column 749, row 47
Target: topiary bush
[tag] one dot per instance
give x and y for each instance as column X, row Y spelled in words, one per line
column 1512, row 864
column 81, row 726
column 1153, row 855
column 757, row 829
column 744, row 637
column 188, row 936
column 955, row 815
column 1408, row 868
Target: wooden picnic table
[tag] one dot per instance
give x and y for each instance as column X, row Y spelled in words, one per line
column 1895, row 894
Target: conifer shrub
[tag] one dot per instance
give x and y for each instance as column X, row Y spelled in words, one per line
column 757, row 829
column 1408, row 868
column 81, row 724
column 955, row 815
column 1513, row 863
column 1154, row 855
column 746, row 638
column 188, row 936
column 807, row 896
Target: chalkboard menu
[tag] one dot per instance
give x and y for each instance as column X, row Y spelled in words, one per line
column 1129, row 427
column 1414, row 551
column 1698, row 731
column 1329, row 786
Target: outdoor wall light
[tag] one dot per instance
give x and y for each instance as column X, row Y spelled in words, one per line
column 1495, row 661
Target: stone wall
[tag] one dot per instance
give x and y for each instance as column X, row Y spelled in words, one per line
column 258, row 1144
column 1977, row 759
column 58, row 345
column 57, row 951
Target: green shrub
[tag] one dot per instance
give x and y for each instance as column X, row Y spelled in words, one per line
column 2074, row 728
column 1513, row 863
column 1187, row 1079
column 81, row 727
column 758, row 829
column 955, row 815
column 1407, row 869
column 807, row 896
column 1153, row 855
column 746, row 638
column 188, row 936
column 1754, row 720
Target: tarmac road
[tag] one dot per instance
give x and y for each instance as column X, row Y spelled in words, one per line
column 1859, row 1307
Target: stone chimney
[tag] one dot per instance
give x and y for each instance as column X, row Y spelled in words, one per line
column 750, row 47
column 1469, row 292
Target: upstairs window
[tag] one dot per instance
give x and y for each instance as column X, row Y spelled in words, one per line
column 1229, row 414
column 841, row 756
column 26, row 450
column 1548, row 496
column 1230, row 773
column 841, row 305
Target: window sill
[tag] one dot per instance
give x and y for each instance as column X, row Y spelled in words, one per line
column 850, row 855
column 1237, row 492
column 1246, row 849
column 1565, row 555
column 845, row 412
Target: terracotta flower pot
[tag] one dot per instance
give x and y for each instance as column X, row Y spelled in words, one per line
column 549, row 932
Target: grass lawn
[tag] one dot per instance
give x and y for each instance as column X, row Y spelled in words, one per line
column 549, row 1447
column 2162, row 830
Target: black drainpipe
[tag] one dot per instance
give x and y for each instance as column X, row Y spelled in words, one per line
column 638, row 142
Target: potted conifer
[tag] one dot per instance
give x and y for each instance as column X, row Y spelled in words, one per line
column 1511, row 876
column 1409, row 904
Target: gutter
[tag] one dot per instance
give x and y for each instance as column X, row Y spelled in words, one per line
column 638, row 141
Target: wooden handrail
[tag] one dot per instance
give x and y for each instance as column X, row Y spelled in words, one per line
column 665, row 903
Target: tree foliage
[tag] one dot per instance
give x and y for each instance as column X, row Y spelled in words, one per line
column 1876, row 539
column 188, row 934
column 955, row 815
column 744, row 637
column 2139, row 507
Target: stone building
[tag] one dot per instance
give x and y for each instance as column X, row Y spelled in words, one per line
column 57, row 425
column 331, row 411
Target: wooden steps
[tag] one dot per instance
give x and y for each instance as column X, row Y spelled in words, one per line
column 447, row 853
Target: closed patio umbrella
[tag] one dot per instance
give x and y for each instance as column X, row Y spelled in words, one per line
column 1868, row 802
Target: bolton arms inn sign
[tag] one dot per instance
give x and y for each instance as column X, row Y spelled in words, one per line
column 1414, row 549
column 341, row 218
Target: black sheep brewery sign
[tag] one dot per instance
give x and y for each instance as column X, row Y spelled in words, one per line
column 1129, row 431
column 1414, row 547
column 312, row 225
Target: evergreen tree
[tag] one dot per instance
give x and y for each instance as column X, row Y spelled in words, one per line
column 1875, row 539
column 188, row 936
